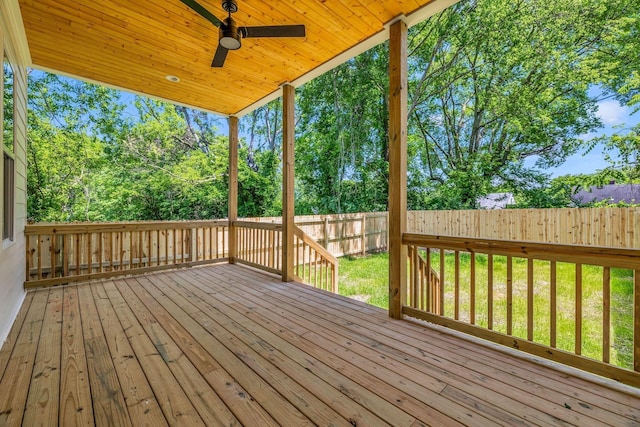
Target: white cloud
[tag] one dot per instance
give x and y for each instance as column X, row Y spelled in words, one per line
column 612, row 113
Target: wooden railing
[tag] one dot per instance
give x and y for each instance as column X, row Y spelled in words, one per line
column 576, row 305
column 259, row 244
column 63, row 253
column 313, row 264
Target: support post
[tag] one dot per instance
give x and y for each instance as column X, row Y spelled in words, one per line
column 233, row 187
column 288, row 207
column 397, row 167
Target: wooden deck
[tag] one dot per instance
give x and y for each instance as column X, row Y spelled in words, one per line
column 226, row 345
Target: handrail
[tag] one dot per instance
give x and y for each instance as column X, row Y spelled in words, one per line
column 314, row 264
column 313, row 244
column 85, row 227
column 64, row 253
column 505, row 291
column 259, row 245
column 593, row 255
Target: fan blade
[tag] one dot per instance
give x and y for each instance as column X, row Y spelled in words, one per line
column 197, row 7
column 220, row 56
column 274, row 31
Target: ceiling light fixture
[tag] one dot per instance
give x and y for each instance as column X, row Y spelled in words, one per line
column 172, row 79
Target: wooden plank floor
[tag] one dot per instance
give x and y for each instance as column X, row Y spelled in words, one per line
column 225, row 345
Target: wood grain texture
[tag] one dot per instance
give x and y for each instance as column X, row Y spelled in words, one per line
column 135, row 45
column 44, row 390
column 397, row 167
column 75, row 392
column 233, row 186
column 226, row 345
column 19, row 370
column 288, row 183
column 106, row 394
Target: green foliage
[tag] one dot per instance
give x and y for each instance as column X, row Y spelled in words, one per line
column 342, row 137
column 7, row 105
column 494, row 82
column 94, row 157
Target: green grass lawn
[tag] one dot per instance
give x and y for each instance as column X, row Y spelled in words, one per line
column 366, row 279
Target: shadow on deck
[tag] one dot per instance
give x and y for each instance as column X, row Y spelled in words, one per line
column 226, row 345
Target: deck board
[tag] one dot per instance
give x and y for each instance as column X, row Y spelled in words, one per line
column 226, row 345
column 445, row 373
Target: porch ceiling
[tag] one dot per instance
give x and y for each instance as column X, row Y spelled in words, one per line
column 134, row 45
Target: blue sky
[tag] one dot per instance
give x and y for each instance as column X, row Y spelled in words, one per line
column 614, row 116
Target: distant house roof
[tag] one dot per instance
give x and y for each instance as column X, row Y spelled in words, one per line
column 496, row 201
column 612, row 192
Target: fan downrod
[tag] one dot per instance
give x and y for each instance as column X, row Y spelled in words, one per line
column 230, row 6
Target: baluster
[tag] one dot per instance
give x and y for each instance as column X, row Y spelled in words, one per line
column 100, row 249
column 553, row 289
column 28, row 260
column 456, row 309
column 430, row 278
column 530, row 299
column 490, row 291
column 472, row 288
column 636, row 321
column 578, row 337
column 52, row 248
column 89, row 253
column 111, row 251
column 510, row 294
column 606, row 314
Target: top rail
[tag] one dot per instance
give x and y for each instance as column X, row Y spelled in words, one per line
column 593, row 255
column 70, row 228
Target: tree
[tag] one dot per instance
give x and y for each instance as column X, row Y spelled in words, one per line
column 342, row 137
column 69, row 124
column 494, row 82
column 96, row 155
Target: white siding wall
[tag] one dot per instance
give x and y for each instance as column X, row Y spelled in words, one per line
column 12, row 255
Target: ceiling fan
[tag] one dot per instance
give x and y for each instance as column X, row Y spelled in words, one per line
column 230, row 35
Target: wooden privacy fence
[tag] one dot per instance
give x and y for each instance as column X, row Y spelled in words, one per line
column 551, row 300
column 613, row 227
column 343, row 234
column 351, row 234
column 60, row 253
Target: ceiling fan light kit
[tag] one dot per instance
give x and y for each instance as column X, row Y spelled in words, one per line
column 230, row 35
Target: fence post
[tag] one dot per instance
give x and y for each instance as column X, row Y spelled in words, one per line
column 364, row 234
column 326, row 233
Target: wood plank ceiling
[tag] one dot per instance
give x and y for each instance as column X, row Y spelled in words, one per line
column 134, row 45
